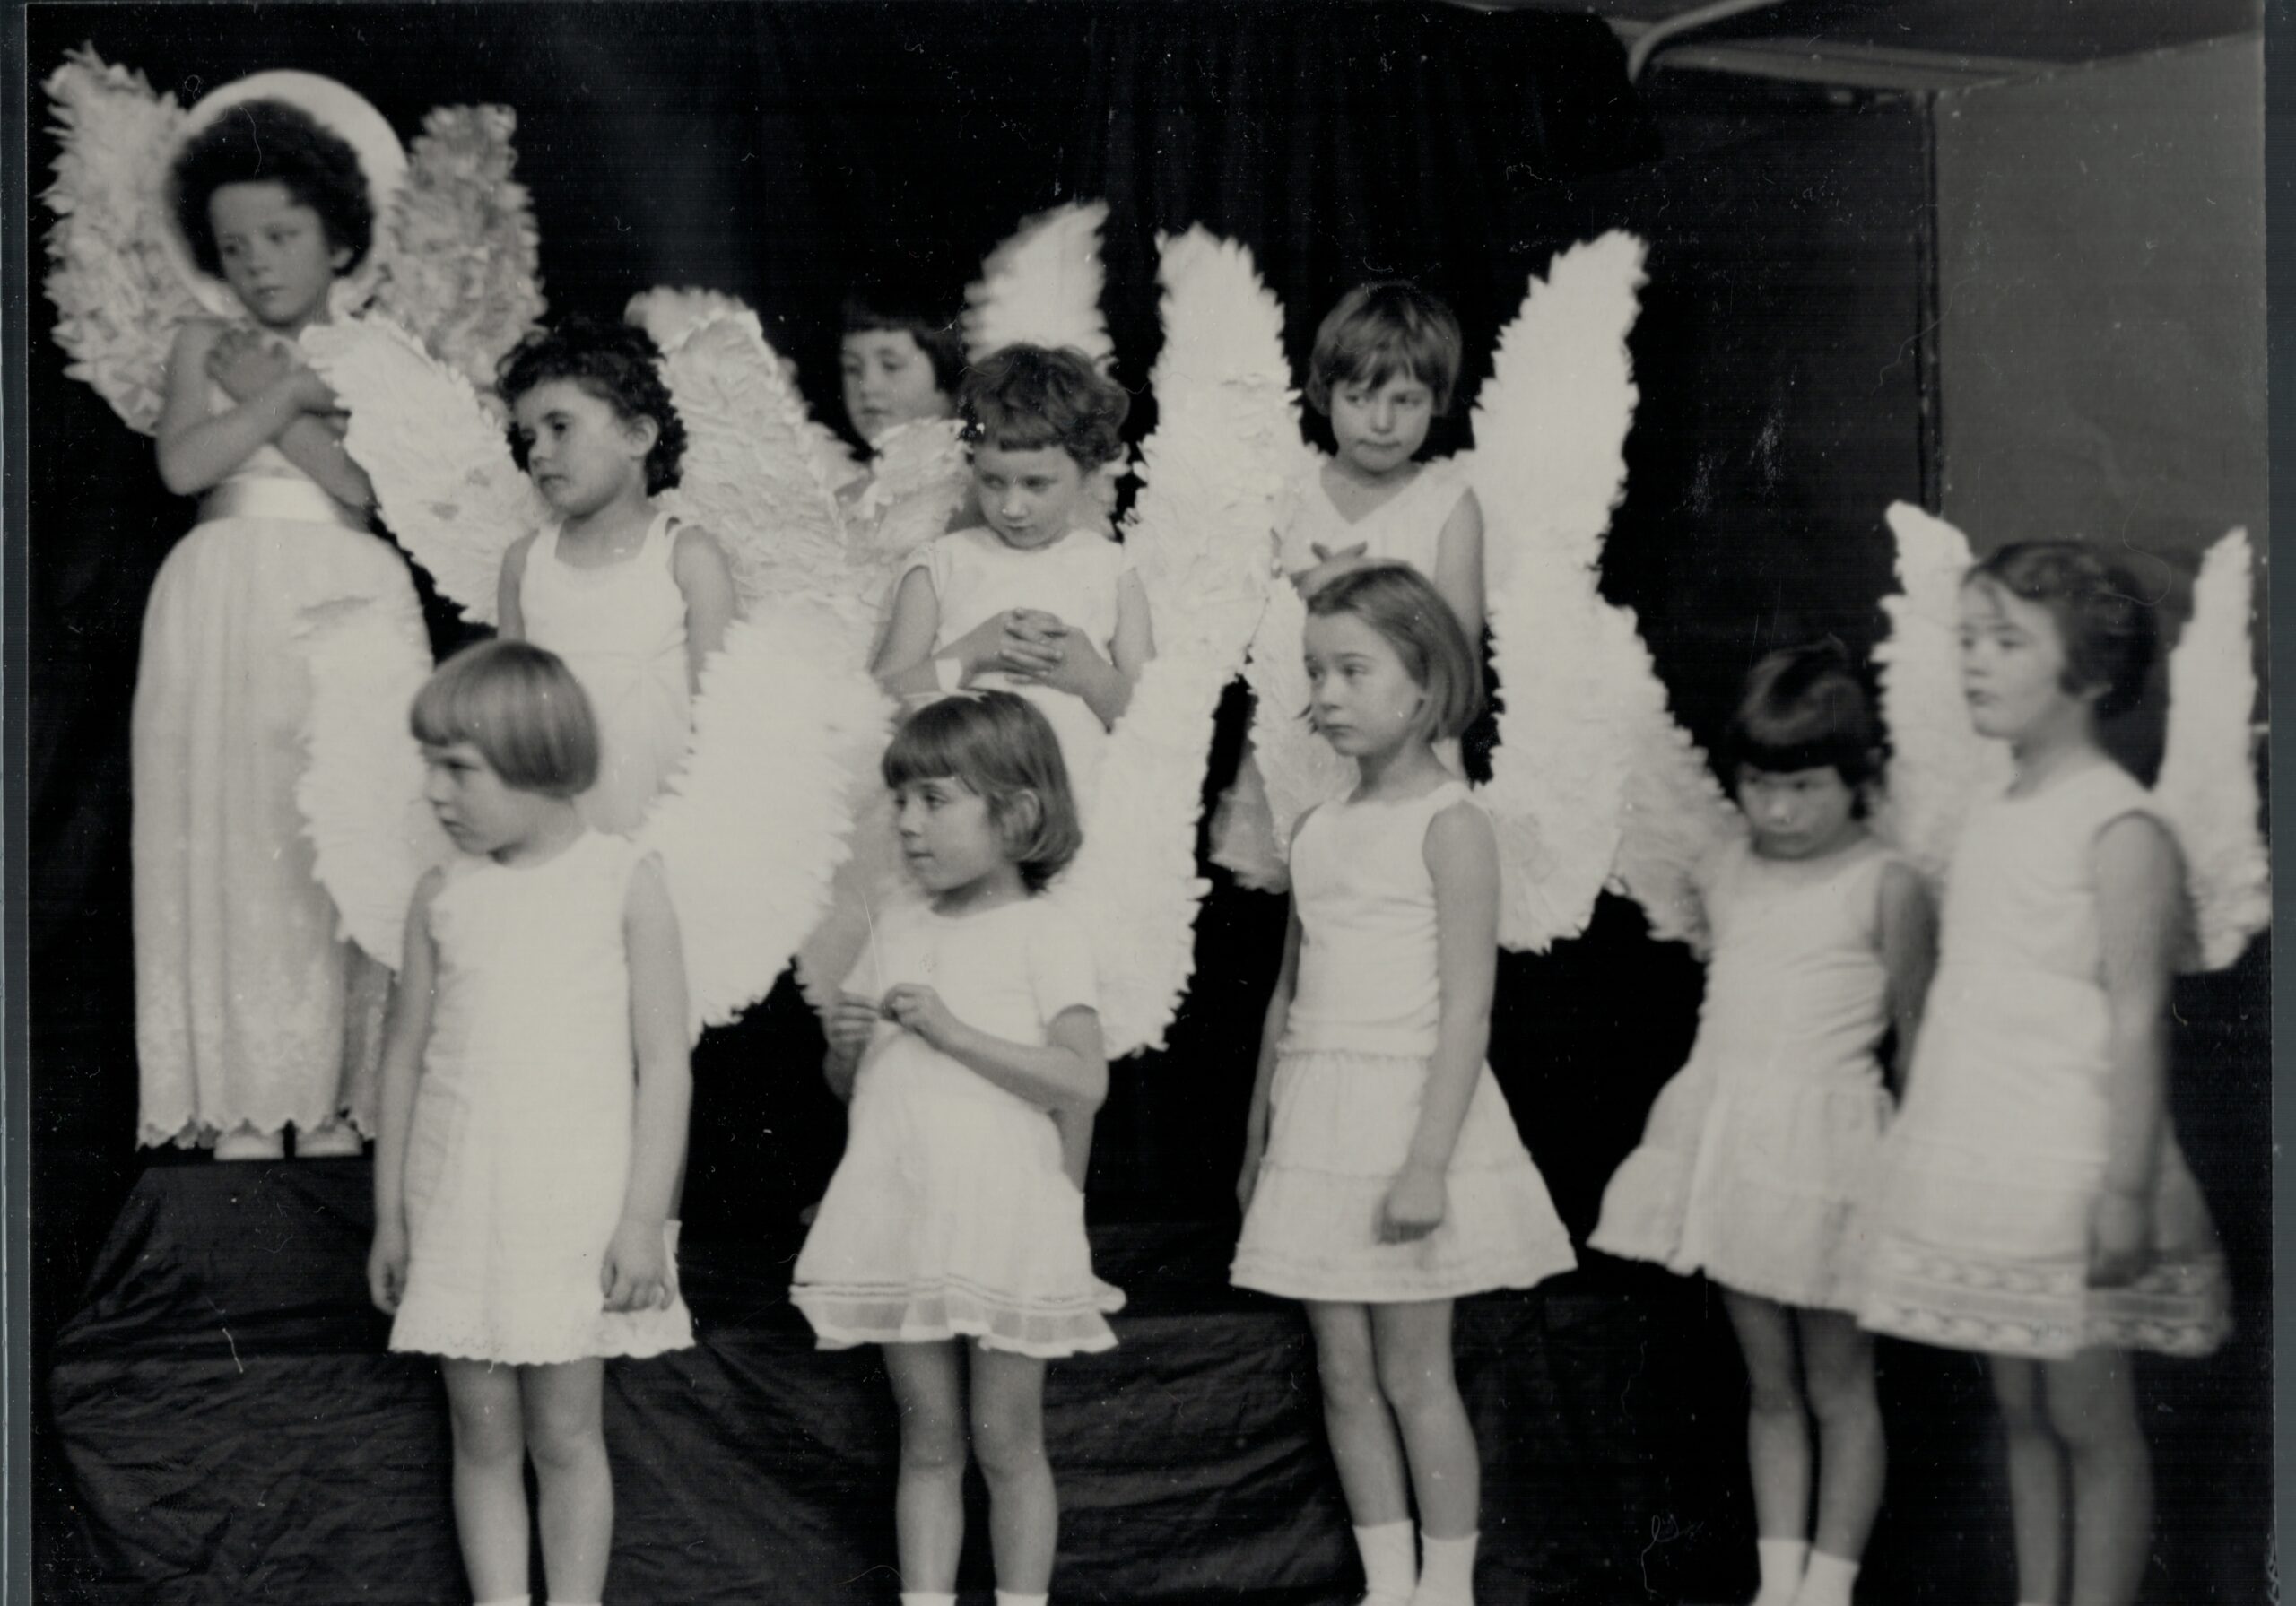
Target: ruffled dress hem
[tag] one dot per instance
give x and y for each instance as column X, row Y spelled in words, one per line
column 848, row 1314
column 2043, row 1311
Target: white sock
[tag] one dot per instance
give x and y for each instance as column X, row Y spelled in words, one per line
column 574, row 1603
column 1827, row 1581
column 1006, row 1597
column 1445, row 1571
column 509, row 1601
column 1390, row 1569
column 1782, row 1560
column 925, row 1597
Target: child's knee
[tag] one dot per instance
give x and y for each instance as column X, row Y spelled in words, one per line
column 564, row 1440
column 486, row 1433
column 1414, row 1380
column 933, row 1441
column 1007, row 1447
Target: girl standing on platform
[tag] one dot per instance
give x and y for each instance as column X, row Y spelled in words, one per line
column 250, row 1014
column 969, row 1028
column 534, row 1100
column 1036, row 601
column 1382, row 1174
column 633, row 601
column 2033, row 1205
column 1757, row 1155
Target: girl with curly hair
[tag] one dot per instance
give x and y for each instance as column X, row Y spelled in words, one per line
column 1036, row 600
column 632, row 599
column 251, row 1016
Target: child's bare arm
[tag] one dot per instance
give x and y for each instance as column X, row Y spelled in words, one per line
column 2140, row 917
column 706, row 581
column 510, row 606
column 407, row 1035
column 1459, row 565
column 1068, row 1072
column 637, row 1275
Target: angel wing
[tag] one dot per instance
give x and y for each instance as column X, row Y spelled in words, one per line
column 1673, row 812
column 119, row 297
column 361, row 794
column 1938, row 763
column 1201, row 538
column 459, row 250
column 2207, row 785
column 1553, row 422
column 750, row 474
column 1043, row 286
column 436, row 454
column 751, row 831
column 922, row 476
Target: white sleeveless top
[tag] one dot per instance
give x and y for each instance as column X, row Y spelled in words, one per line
column 621, row 630
column 1367, row 981
column 1405, row 528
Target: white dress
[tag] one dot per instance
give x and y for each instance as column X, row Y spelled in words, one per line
column 519, row 1156
column 950, row 1213
column 1405, row 528
column 622, row 629
column 1758, row 1153
column 1350, row 1078
column 976, row 575
column 1997, row 1159
column 249, row 1008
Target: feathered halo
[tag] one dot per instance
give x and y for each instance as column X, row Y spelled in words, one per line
column 334, row 106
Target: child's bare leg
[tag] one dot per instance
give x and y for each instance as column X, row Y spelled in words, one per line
column 483, row 1410
column 929, row 1497
column 1413, row 1346
column 2092, row 1402
column 1777, row 1432
column 1007, row 1420
column 566, row 1437
column 2036, row 1478
column 1853, row 1457
column 1356, row 1420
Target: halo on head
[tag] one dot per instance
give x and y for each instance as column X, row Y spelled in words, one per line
column 334, row 106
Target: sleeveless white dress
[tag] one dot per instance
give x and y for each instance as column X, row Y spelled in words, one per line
column 1996, row 1160
column 621, row 629
column 1350, row 1078
column 518, row 1156
column 249, row 1008
column 976, row 575
column 1757, row 1156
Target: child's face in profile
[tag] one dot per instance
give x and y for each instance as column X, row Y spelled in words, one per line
column 2013, row 665
column 888, row 381
column 1031, row 499
column 1361, row 697
column 580, row 451
column 275, row 253
column 480, row 812
column 1797, row 813
column 948, row 841
column 1379, row 427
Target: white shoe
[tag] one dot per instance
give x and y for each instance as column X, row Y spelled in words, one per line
column 338, row 1140
column 249, row 1144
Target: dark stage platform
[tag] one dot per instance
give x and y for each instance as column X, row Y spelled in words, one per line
column 236, row 1432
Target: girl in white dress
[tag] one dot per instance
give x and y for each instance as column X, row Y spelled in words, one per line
column 1037, row 600
column 1385, row 367
column 967, row 1027
column 1382, row 1174
column 536, row 1092
column 2034, row 1206
column 633, row 601
column 250, row 1015
column 1758, row 1153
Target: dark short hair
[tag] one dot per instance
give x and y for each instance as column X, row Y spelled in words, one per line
column 1397, row 600
column 619, row 364
column 2111, row 633
column 940, row 340
column 1003, row 749
column 1380, row 330
column 1803, row 708
column 269, row 141
column 1023, row 398
column 519, row 706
